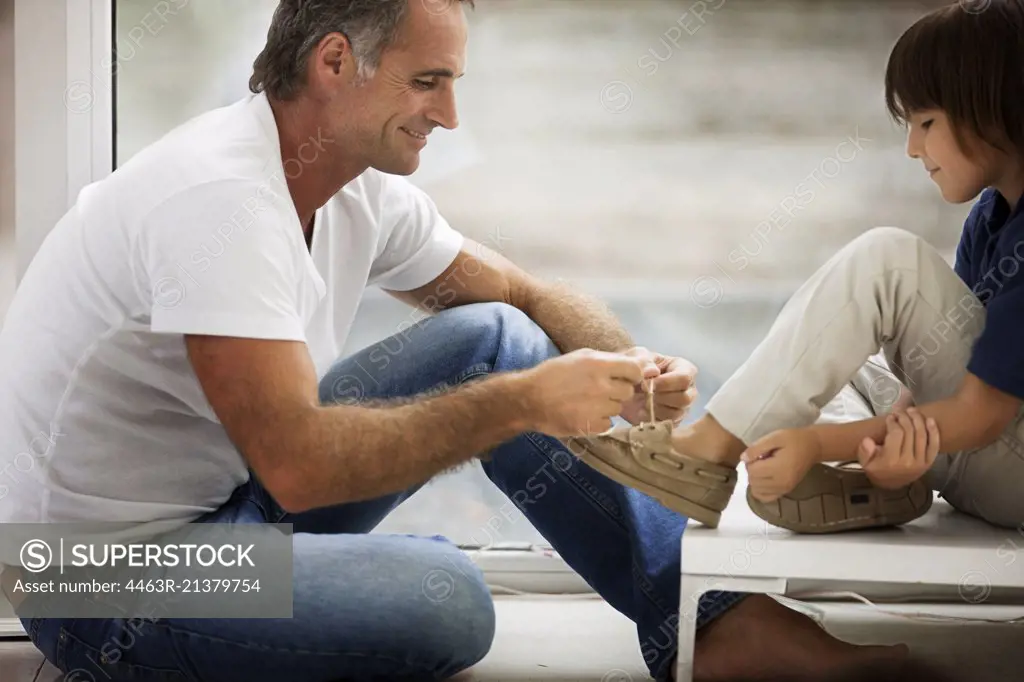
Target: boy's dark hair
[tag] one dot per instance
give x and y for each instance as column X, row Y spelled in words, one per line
column 966, row 59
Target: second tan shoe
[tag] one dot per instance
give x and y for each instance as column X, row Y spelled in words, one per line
column 642, row 457
column 836, row 498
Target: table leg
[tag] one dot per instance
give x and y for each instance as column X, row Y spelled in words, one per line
column 691, row 589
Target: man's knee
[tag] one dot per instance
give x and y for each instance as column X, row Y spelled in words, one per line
column 457, row 618
column 516, row 341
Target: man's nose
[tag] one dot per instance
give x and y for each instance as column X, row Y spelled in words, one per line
column 445, row 112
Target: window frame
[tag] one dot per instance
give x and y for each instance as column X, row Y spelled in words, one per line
column 64, row 94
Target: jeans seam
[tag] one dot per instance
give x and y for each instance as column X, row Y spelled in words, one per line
column 221, row 640
column 650, row 592
column 99, row 656
column 276, row 649
column 479, row 369
column 605, row 503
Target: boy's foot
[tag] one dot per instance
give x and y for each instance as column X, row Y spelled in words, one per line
column 760, row 639
column 645, row 458
column 836, row 498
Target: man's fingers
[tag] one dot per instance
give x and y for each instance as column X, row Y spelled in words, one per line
column 672, row 382
column 620, row 390
column 650, row 368
column 671, row 365
column 678, row 399
column 629, row 369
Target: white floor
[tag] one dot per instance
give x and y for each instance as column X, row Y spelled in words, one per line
column 584, row 640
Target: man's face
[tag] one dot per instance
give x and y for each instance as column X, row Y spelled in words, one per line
column 412, row 91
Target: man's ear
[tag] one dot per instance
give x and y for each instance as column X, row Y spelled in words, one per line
column 333, row 57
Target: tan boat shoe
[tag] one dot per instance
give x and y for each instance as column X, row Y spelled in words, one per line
column 834, row 498
column 642, row 457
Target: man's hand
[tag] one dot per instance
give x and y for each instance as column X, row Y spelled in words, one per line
column 779, row 461
column 675, row 388
column 578, row 393
column 911, row 446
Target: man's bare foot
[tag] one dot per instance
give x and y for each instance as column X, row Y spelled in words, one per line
column 708, row 440
column 761, row 639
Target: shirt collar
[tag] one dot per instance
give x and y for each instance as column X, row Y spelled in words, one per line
column 997, row 213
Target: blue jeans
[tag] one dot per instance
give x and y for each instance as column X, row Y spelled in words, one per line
column 388, row 607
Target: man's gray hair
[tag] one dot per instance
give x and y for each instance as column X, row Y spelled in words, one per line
column 298, row 27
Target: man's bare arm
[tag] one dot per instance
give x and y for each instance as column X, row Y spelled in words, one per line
column 265, row 395
column 571, row 319
column 972, row 418
column 308, row 455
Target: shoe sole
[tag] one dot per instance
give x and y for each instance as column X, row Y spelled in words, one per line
column 680, row 505
column 829, row 500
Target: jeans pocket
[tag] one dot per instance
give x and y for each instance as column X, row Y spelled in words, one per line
column 84, row 662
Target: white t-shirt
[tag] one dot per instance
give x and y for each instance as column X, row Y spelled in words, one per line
column 101, row 415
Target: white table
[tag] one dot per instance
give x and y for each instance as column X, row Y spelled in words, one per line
column 943, row 557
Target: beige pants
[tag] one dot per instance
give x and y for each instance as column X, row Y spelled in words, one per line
column 888, row 290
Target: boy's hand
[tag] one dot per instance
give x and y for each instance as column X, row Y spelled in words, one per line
column 911, row 446
column 779, row 461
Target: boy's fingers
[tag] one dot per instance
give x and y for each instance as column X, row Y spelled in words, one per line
column 933, row 442
column 893, row 439
column 761, row 485
column 761, row 447
column 920, row 436
column 907, row 449
column 866, row 451
column 763, row 469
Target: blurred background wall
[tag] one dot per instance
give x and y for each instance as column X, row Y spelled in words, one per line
column 690, row 162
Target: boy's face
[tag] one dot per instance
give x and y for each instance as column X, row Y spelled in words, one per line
column 960, row 178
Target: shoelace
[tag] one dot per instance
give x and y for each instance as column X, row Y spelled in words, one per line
column 650, row 401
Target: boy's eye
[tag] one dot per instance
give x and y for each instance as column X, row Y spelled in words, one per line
column 927, row 124
column 422, row 84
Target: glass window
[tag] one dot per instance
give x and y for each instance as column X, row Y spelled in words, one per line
column 689, row 167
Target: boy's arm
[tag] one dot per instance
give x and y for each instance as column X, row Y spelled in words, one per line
column 905, row 401
column 972, row 418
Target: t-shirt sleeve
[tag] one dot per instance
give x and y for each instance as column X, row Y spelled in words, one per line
column 217, row 260
column 416, row 243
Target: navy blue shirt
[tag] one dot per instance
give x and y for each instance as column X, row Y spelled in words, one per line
column 990, row 260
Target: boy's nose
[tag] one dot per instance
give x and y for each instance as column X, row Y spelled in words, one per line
column 913, row 144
